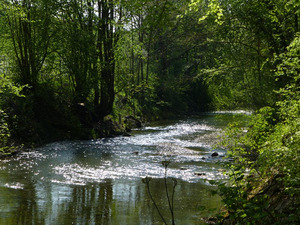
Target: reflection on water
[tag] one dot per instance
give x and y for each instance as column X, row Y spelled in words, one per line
column 100, row 182
column 103, row 203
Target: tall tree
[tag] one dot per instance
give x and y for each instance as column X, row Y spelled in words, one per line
column 246, row 36
column 89, row 35
column 29, row 24
column 108, row 13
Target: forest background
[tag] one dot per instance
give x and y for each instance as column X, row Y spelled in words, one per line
column 66, row 65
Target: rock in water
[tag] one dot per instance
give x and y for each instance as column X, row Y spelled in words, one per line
column 214, row 154
column 199, row 174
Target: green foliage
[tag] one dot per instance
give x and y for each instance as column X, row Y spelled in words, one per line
column 80, row 61
column 268, row 151
column 4, row 131
column 7, row 87
column 7, row 90
column 83, row 60
column 214, row 10
column 240, row 56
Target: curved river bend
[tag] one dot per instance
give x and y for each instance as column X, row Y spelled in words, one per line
column 100, row 181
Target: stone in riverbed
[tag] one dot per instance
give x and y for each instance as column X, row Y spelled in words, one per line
column 200, row 174
column 214, row 154
column 131, row 122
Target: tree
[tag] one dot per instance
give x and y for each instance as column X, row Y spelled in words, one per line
column 246, row 36
column 7, row 90
column 266, row 156
column 29, row 25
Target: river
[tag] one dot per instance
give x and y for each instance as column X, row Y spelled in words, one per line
column 100, row 181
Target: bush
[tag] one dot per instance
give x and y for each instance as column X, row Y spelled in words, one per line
column 7, row 90
column 265, row 177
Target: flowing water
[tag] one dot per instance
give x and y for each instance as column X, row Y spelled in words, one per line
column 101, row 181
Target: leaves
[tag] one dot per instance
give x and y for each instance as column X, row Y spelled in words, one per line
column 273, row 137
column 7, row 90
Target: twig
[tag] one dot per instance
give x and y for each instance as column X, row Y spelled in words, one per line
column 147, row 181
column 167, row 193
column 173, row 193
column 170, row 202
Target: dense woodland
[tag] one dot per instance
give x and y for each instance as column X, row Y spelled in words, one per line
column 73, row 69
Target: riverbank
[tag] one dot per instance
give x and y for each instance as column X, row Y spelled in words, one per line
column 268, row 202
column 264, row 173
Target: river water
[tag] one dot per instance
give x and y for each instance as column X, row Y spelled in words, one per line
column 100, row 181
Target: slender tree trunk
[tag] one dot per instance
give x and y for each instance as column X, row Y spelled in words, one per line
column 296, row 23
column 106, row 42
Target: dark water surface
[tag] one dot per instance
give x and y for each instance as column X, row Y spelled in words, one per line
column 100, row 181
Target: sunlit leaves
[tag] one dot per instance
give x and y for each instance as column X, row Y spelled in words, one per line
column 214, row 10
column 273, row 136
column 8, row 87
column 7, row 90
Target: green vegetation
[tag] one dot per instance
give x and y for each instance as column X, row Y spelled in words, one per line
column 265, row 173
column 77, row 69
column 88, row 64
column 259, row 54
column 8, row 90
